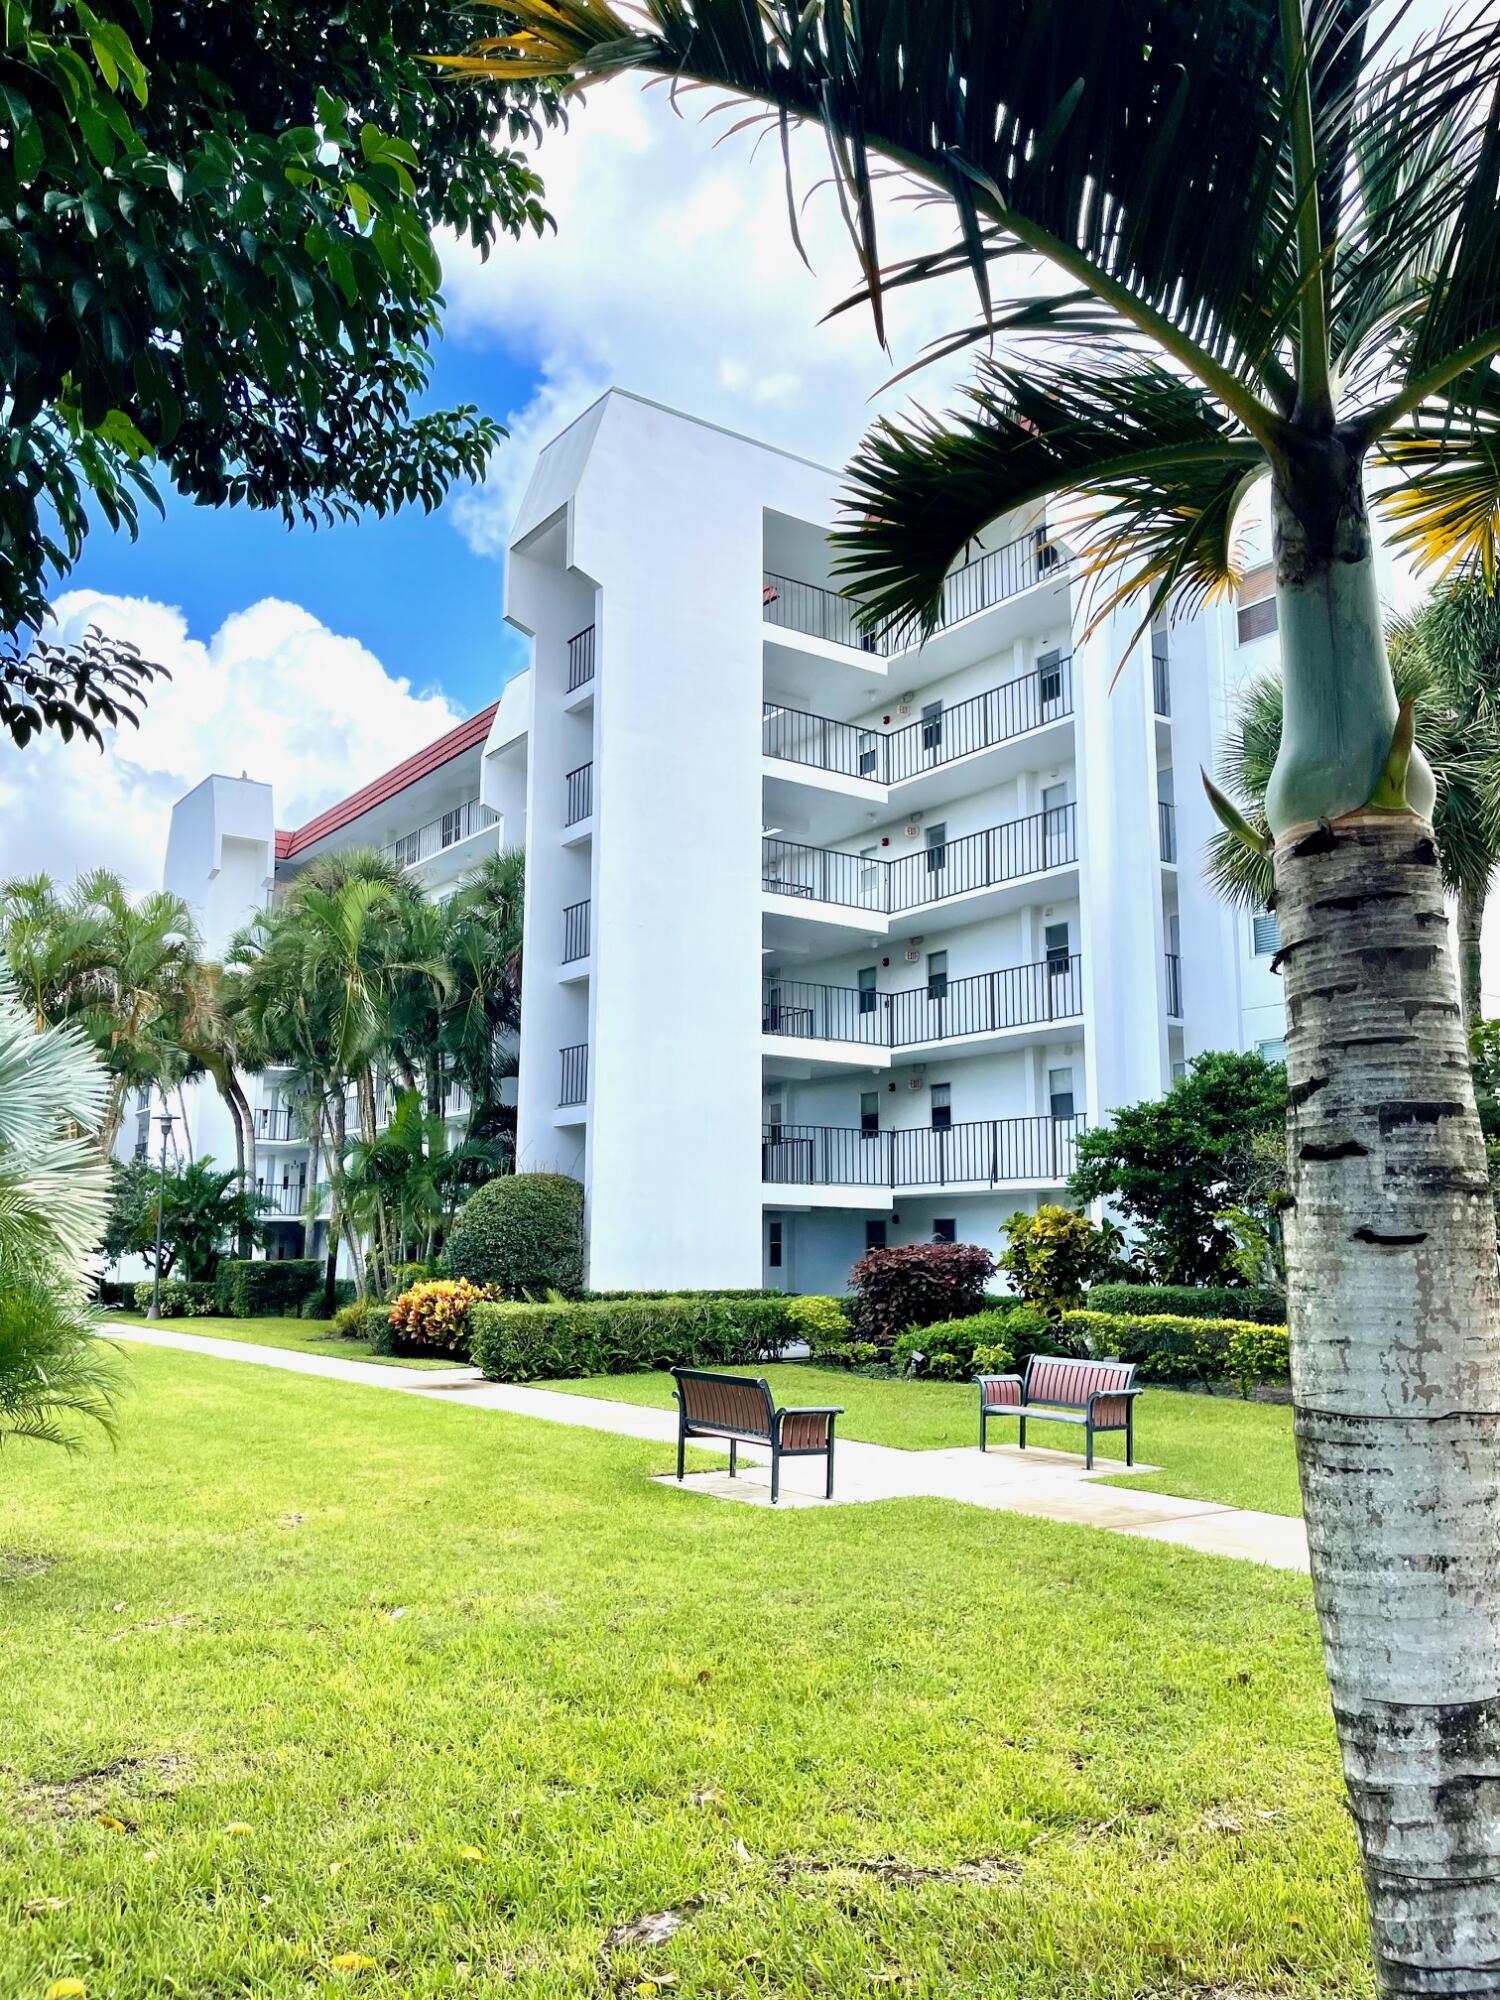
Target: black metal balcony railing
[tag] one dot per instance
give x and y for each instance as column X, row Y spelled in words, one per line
column 573, row 1087
column 1028, row 846
column 986, row 1152
column 447, row 830
column 575, row 932
column 277, row 1121
column 1161, row 680
column 942, row 1010
column 1174, row 985
column 580, row 658
column 989, row 579
column 283, row 1198
column 810, row 1011
column 1166, row 829
column 580, row 786
column 996, row 716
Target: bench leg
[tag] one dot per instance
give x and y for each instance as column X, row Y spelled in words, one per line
column 981, row 1425
column 828, row 1489
column 775, row 1475
column 734, row 1457
column 1023, row 1433
column 681, row 1450
column 1129, row 1436
column 1088, row 1447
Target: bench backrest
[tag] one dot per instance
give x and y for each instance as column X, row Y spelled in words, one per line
column 1054, row 1378
column 739, row 1403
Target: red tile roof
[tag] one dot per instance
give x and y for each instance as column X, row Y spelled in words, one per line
column 388, row 784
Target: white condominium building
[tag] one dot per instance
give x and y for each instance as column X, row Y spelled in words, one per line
column 227, row 859
column 833, row 943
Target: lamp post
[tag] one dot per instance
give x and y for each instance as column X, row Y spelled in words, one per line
column 165, row 1121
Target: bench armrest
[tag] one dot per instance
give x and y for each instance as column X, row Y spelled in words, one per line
column 1008, row 1383
column 1125, row 1396
column 809, row 1423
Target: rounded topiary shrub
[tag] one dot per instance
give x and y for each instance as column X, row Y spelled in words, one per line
column 522, row 1233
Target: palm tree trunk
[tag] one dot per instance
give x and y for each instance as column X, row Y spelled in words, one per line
column 1392, row 1283
column 1471, row 904
column 187, row 1130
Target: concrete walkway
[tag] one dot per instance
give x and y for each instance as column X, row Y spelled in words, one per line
column 1051, row 1485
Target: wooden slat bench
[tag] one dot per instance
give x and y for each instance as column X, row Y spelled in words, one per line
column 1100, row 1395
column 741, row 1410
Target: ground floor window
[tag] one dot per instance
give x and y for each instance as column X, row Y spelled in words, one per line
column 945, row 1229
column 874, row 1235
column 773, row 1245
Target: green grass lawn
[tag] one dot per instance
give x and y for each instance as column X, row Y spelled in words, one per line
column 306, row 1336
column 1208, row 1447
column 302, row 1671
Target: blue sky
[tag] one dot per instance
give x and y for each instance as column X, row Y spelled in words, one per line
column 409, row 586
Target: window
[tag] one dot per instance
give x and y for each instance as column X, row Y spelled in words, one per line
column 1060, row 1092
column 869, row 876
column 453, row 826
column 932, row 726
column 869, row 753
column 874, row 1235
column 869, row 1111
column 1257, row 608
column 1049, row 677
column 773, row 1245
column 865, row 980
column 944, row 1229
column 942, row 1106
column 1274, row 1050
column 937, row 975
column 408, row 849
column 1058, row 953
column 937, row 847
column 1266, row 936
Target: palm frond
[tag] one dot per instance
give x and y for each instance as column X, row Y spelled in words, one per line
column 1441, row 483
column 1162, row 467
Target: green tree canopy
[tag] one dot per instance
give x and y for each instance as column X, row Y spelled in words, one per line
column 216, row 269
column 1171, row 1165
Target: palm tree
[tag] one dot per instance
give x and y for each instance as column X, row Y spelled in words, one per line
column 54, row 1197
column 1276, row 243
column 1445, row 658
column 116, row 966
column 319, row 975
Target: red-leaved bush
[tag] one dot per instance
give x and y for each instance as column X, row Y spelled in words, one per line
column 918, row 1286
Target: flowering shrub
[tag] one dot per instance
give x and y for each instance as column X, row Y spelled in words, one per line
column 433, row 1317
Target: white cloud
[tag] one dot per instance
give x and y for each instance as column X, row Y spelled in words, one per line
column 673, row 273
column 272, row 693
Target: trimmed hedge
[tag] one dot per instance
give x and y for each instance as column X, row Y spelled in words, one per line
column 1003, row 1336
column 522, row 1233
column 1175, row 1348
column 181, row 1298
column 264, row 1287
column 1252, row 1302
column 528, row 1343
column 711, row 1292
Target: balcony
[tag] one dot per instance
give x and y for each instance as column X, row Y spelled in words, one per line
column 1166, row 829
column 987, row 1152
column 278, row 1122
column 1004, row 853
column 580, row 659
column 579, row 786
column 573, row 1085
column 576, row 929
column 1001, row 713
column 288, row 1198
column 1022, row 996
column 472, row 817
column 1161, row 679
column 820, row 613
column 1174, row 985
